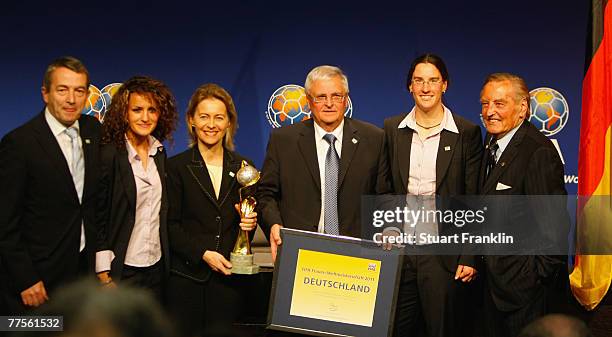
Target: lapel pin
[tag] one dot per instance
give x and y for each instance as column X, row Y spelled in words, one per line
column 87, row 140
column 231, row 174
column 354, row 141
column 447, row 148
column 503, row 163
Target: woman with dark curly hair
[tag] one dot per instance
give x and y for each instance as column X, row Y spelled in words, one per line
column 133, row 204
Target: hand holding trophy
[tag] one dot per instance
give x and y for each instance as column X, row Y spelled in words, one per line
column 242, row 257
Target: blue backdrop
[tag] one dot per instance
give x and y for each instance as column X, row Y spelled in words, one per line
column 252, row 48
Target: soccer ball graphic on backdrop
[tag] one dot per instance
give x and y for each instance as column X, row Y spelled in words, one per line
column 95, row 106
column 98, row 101
column 549, row 110
column 288, row 105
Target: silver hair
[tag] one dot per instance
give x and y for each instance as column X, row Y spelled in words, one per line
column 325, row 73
column 518, row 84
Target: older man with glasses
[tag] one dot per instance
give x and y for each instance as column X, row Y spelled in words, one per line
column 316, row 171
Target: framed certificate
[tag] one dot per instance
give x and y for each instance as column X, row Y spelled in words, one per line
column 327, row 285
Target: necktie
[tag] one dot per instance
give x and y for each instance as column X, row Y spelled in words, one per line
column 491, row 151
column 77, row 169
column 332, row 165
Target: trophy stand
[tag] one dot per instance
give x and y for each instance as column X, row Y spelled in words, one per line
column 241, row 256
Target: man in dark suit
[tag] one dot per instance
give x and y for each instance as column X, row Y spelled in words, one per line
column 316, row 172
column 519, row 161
column 49, row 181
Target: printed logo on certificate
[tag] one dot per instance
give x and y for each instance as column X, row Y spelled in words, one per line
column 335, row 287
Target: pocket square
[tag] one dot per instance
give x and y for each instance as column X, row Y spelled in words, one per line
column 501, row 187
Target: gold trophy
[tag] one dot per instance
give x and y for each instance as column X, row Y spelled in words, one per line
column 241, row 257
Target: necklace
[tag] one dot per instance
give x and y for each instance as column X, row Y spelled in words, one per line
column 428, row 127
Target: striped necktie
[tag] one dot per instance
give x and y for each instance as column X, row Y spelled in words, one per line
column 332, row 166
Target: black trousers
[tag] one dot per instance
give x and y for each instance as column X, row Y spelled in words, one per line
column 510, row 323
column 209, row 308
column 428, row 298
column 150, row 278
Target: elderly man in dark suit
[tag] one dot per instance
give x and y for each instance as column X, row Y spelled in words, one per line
column 519, row 162
column 315, row 172
column 49, row 181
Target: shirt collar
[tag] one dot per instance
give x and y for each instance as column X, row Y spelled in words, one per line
column 56, row 127
column 154, row 146
column 505, row 140
column 338, row 132
column 448, row 122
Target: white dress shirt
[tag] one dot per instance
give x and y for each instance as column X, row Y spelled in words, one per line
column 65, row 143
column 504, row 141
column 422, row 179
column 144, row 247
column 322, row 147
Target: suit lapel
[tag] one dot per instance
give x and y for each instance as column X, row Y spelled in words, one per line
column 90, row 152
column 483, row 165
column 50, row 146
column 506, row 158
column 198, row 170
column 160, row 163
column 308, row 149
column 126, row 174
column 402, row 153
column 446, row 148
column 350, row 143
column 230, row 168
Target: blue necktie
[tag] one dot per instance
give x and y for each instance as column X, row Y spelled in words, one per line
column 332, row 166
column 77, row 169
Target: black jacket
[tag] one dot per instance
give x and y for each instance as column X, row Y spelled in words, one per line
column 197, row 220
column 117, row 205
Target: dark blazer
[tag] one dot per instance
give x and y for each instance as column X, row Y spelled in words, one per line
column 457, row 169
column 290, row 188
column 197, row 220
column 40, row 217
column 530, row 165
column 117, row 205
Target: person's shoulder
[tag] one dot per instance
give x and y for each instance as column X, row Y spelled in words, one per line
column 24, row 131
column 536, row 138
column 181, row 157
column 293, row 129
column 464, row 123
column 365, row 128
column 238, row 158
column 109, row 150
column 394, row 121
column 90, row 123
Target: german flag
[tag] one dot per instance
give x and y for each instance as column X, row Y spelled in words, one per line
column 592, row 275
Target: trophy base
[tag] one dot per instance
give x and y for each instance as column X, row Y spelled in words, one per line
column 243, row 264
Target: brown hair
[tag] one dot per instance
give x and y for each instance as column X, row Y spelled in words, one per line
column 431, row 59
column 115, row 121
column 68, row 62
column 211, row 90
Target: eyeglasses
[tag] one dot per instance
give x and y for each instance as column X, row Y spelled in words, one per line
column 433, row 82
column 335, row 98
